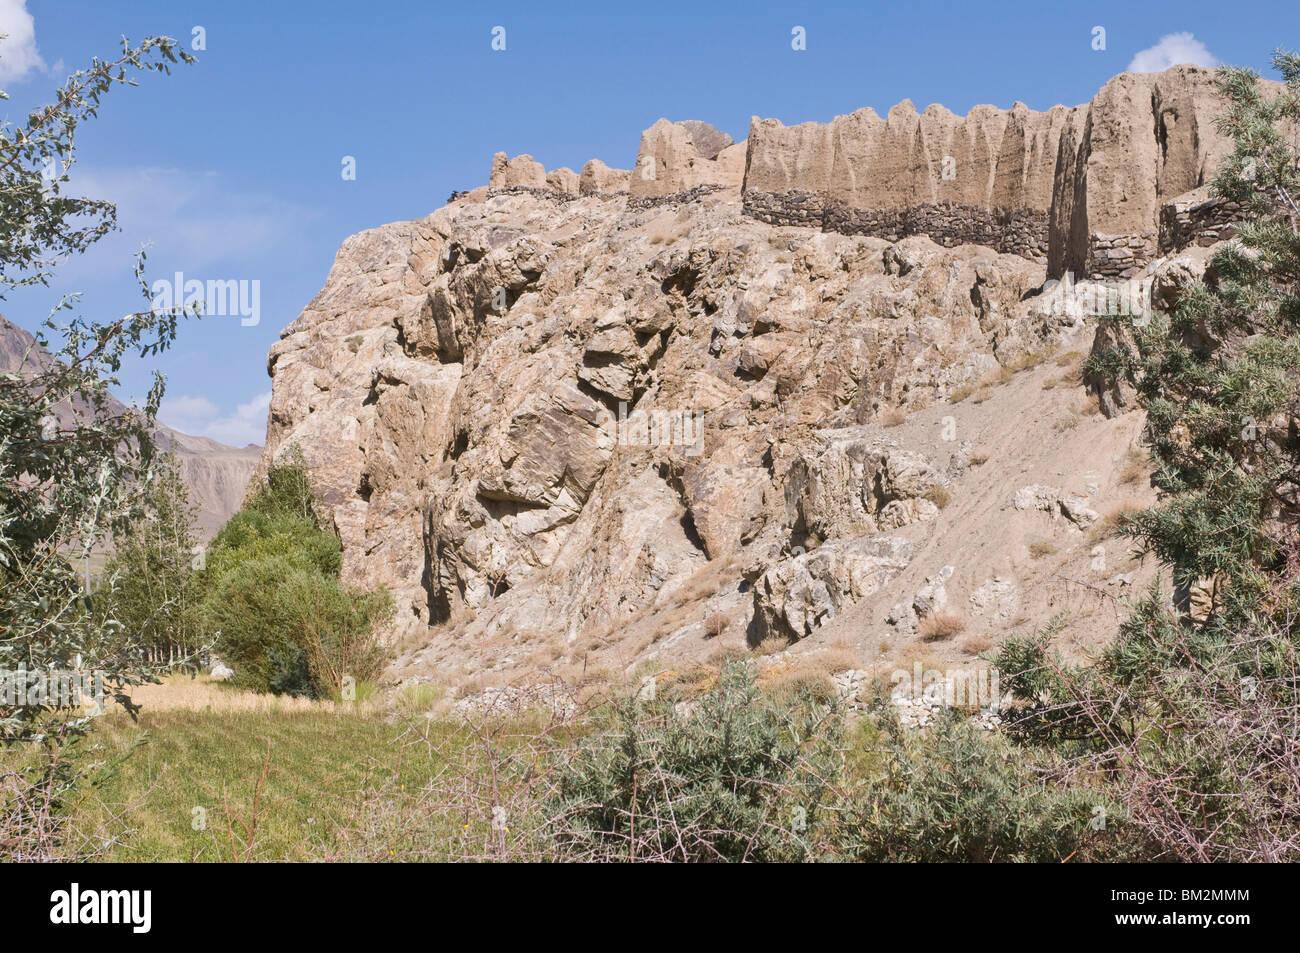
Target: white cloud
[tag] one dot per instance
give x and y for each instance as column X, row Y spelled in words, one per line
column 194, row 222
column 1172, row 50
column 201, row 417
column 18, row 53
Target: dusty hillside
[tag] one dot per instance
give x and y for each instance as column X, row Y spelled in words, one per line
column 215, row 474
column 579, row 420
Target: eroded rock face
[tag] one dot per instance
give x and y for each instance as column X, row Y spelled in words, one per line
column 538, row 410
column 676, row 157
column 563, row 405
column 597, row 177
column 1097, row 190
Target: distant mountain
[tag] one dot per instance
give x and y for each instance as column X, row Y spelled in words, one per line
column 216, row 475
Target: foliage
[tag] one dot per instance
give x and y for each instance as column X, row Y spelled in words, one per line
column 956, row 794
column 285, row 623
column 150, row 585
column 1191, row 712
column 738, row 777
column 71, row 471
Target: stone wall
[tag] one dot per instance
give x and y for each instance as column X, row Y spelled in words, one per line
column 1014, row 231
column 1097, row 190
column 1197, row 221
column 1119, row 256
column 1086, row 189
column 672, row 198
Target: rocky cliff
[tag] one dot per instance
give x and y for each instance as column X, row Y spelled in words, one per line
column 815, row 399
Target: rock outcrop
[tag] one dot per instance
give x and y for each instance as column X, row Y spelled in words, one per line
column 1098, row 190
column 597, row 418
column 676, row 158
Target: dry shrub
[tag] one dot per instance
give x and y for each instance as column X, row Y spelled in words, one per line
column 1041, row 547
column 1110, row 522
column 1088, row 406
column 716, row 624
column 1134, row 470
column 938, row 495
column 893, row 417
column 975, row 644
column 941, row 625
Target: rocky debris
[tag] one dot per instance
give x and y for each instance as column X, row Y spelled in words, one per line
column 922, row 712
column 929, row 598
column 507, row 700
column 933, row 596
column 849, row 685
column 803, row 592
column 1051, row 500
column 997, row 598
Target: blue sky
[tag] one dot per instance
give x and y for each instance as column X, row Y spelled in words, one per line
column 231, row 168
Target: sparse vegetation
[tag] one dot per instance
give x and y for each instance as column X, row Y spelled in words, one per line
column 941, row 625
column 938, row 495
column 893, row 417
column 1115, row 520
column 1042, row 547
column 976, row 644
column 1136, row 468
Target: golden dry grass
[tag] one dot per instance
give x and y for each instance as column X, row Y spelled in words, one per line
column 893, row 417
column 938, row 495
column 941, row 625
column 1109, row 524
column 1135, row 469
column 202, row 693
column 1041, row 547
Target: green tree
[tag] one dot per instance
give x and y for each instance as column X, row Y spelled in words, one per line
column 71, row 471
column 1191, row 712
column 150, row 587
column 271, row 590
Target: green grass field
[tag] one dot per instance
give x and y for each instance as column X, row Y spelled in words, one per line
column 194, row 776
